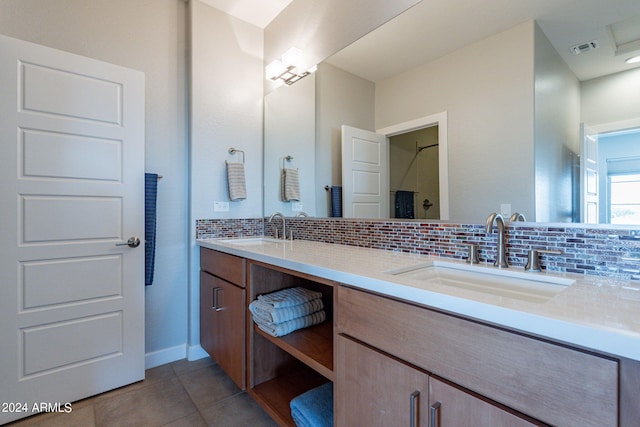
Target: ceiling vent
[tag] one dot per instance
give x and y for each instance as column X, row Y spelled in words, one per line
column 584, row 47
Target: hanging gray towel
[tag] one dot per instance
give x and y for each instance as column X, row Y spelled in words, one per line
column 150, row 198
column 404, row 204
column 336, row 201
column 236, row 181
column 290, row 185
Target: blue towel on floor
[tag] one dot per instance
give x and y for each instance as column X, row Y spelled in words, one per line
column 150, row 197
column 314, row 408
column 336, row 201
column 404, row 204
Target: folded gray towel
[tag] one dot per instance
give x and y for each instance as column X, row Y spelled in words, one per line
column 280, row 329
column 267, row 313
column 236, row 181
column 289, row 297
column 290, row 185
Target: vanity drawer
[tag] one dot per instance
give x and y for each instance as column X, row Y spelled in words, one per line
column 555, row 384
column 228, row 267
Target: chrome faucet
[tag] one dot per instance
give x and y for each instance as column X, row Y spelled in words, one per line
column 501, row 259
column 302, row 214
column 284, row 226
column 517, row 216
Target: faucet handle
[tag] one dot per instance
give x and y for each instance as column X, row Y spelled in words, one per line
column 533, row 260
column 472, row 254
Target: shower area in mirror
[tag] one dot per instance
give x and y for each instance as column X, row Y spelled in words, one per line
column 414, row 175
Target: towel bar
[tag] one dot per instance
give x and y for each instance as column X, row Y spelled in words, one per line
column 234, row 151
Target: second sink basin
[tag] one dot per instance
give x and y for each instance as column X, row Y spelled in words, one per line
column 251, row 241
column 532, row 287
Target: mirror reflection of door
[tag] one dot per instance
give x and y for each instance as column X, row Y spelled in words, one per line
column 619, row 154
column 365, row 167
column 610, row 175
column 414, row 174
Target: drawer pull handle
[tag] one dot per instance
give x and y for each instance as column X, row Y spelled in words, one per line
column 434, row 412
column 216, row 299
column 412, row 411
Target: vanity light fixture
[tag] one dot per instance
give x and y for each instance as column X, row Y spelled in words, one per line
column 633, row 60
column 286, row 70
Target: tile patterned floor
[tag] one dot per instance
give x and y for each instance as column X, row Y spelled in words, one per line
column 178, row 394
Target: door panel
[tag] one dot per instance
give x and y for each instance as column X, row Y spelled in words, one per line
column 365, row 174
column 45, row 88
column 93, row 158
column 589, row 188
column 72, row 185
column 59, row 281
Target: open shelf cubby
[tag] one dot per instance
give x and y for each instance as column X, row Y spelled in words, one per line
column 281, row 368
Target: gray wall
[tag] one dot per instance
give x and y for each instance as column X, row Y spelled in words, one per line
column 150, row 37
column 556, row 133
column 487, row 90
column 612, row 99
column 226, row 77
column 341, row 99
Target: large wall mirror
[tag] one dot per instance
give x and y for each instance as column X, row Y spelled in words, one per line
column 515, row 87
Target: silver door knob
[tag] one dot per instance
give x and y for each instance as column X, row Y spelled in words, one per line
column 133, row 242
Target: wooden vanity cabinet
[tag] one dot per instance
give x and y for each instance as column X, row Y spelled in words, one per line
column 482, row 375
column 376, row 389
column 222, row 312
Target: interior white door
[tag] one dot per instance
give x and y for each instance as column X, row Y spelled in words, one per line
column 72, row 188
column 589, row 182
column 365, row 174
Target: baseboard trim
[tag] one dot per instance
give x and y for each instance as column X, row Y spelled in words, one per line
column 166, row 355
column 195, row 352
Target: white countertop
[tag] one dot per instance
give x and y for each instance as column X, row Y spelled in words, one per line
column 597, row 313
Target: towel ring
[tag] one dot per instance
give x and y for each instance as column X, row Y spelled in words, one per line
column 287, row 158
column 234, row 151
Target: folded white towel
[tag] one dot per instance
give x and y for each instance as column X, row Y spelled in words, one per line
column 267, row 313
column 289, row 297
column 280, row 329
column 290, row 185
column 236, row 181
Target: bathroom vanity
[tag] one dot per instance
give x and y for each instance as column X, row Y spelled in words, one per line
column 405, row 344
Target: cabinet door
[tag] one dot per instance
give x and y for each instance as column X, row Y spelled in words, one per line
column 452, row 407
column 222, row 325
column 373, row 389
column 207, row 312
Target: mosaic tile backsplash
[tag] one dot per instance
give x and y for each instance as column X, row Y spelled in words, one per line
column 597, row 251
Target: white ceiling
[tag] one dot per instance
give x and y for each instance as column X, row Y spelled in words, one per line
column 434, row 28
column 257, row 12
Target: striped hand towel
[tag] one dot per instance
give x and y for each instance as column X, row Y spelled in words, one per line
column 280, row 329
column 290, row 185
column 267, row 313
column 236, row 181
column 289, row 297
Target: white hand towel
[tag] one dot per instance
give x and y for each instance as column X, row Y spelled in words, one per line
column 290, row 185
column 236, row 181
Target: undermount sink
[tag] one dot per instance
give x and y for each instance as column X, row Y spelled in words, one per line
column 532, row 287
column 251, row 241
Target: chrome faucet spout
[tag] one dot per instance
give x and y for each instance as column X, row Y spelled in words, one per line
column 517, row 216
column 501, row 250
column 284, row 226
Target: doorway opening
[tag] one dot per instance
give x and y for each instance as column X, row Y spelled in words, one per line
column 414, row 174
column 418, row 162
column 619, row 154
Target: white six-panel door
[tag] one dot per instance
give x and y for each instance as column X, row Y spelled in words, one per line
column 365, row 174
column 72, row 187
